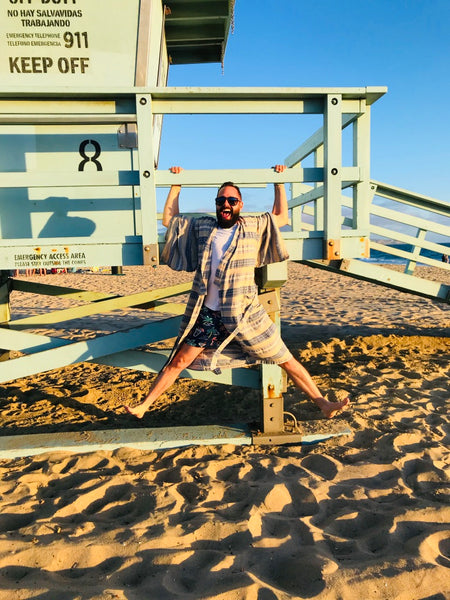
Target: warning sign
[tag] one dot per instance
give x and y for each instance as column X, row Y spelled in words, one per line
column 62, row 257
column 78, row 42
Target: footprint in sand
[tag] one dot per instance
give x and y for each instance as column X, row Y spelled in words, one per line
column 199, row 573
column 408, row 442
column 434, row 548
column 296, row 571
column 170, row 475
column 16, row 573
column 14, row 521
column 191, row 492
column 425, row 479
column 320, row 465
column 362, row 523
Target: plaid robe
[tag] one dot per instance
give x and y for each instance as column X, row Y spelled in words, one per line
column 257, row 241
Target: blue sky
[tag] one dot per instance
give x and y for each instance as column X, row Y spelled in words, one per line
column 401, row 44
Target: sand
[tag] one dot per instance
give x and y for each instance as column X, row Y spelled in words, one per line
column 361, row 516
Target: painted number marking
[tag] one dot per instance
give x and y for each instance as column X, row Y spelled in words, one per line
column 93, row 158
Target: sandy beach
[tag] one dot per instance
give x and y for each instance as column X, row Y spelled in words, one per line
column 365, row 515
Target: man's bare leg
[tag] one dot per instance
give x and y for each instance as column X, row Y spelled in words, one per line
column 182, row 359
column 302, row 379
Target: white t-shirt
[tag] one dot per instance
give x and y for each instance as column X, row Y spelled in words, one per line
column 220, row 244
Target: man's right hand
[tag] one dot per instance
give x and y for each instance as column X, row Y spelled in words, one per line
column 171, row 207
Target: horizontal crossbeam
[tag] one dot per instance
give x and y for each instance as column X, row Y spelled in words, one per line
column 369, row 93
column 66, row 119
column 153, row 362
column 100, row 306
column 59, row 179
column 249, row 176
column 87, row 350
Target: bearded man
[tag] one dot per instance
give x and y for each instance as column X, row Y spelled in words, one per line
column 224, row 324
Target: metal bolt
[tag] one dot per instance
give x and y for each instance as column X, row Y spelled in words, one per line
column 334, row 171
column 334, row 101
column 147, row 248
column 331, row 243
column 146, row 174
column 143, row 101
column 336, row 253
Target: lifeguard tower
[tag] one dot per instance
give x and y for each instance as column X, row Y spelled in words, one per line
column 81, row 115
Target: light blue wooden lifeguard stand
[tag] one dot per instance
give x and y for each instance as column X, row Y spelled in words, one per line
column 82, row 99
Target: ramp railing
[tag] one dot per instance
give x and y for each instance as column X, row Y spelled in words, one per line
column 425, row 226
column 406, row 227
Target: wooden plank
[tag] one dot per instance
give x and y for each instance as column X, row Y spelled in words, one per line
column 362, row 192
column 399, row 216
column 189, row 106
column 148, row 225
column 387, row 277
column 372, row 92
column 152, row 362
column 333, row 175
column 23, row 341
column 89, row 349
column 407, row 239
column 100, row 306
column 158, row 438
column 240, row 176
column 44, row 289
column 161, row 438
column 23, row 179
column 409, row 255
column 407, row 197
column 65, row 119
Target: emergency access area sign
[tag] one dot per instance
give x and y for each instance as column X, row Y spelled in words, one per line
column 56, row 42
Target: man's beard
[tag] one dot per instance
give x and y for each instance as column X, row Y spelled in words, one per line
column 227, row 223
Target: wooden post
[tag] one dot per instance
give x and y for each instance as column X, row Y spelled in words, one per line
column 272, row 277
column 5, row 312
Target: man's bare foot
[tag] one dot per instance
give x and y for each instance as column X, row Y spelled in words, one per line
column 137, row 411
column 330, row 408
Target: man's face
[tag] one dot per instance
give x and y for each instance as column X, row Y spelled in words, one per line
column 227, row 215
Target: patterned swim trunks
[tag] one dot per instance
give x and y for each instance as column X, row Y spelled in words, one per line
column 208, row 330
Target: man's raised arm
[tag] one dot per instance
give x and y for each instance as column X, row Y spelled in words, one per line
column 171, row 207
column 280, row 206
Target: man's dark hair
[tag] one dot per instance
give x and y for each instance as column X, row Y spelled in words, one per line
column 231, row 184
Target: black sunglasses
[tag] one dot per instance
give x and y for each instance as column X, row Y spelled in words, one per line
column 232, row 200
